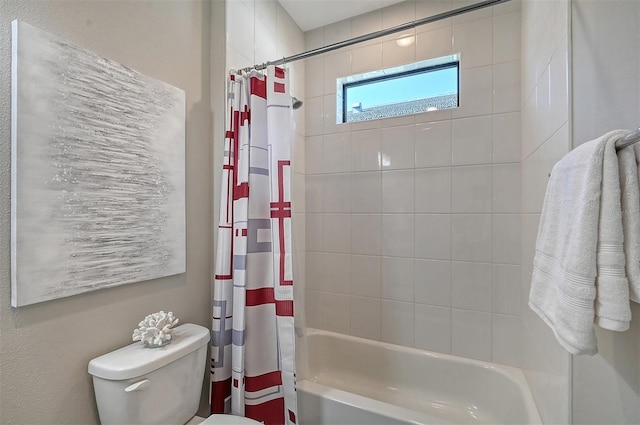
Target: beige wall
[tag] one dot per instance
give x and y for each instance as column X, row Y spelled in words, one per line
column 45, row 348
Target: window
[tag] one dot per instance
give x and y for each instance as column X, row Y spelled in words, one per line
column 404, row 90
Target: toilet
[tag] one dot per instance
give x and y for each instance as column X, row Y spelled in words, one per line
column 138, row 385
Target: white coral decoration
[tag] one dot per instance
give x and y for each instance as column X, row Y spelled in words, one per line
column 155, row 329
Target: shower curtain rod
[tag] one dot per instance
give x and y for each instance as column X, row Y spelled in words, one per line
column 630, row 139
column 377, row 34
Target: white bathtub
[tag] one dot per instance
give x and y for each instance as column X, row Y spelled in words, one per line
column 358, row 381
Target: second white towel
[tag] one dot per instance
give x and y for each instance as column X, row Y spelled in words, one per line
column 612, row 308
column 579, row 271
column 630, row 187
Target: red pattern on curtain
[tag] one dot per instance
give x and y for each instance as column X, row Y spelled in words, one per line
column 253, row 349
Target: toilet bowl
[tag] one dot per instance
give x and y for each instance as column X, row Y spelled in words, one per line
column 138, row 385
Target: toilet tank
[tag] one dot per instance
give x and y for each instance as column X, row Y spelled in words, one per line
column 138, row 385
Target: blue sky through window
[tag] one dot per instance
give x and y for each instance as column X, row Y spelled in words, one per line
column 404, row 89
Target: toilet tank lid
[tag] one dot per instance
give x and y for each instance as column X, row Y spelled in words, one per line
column 135, row 360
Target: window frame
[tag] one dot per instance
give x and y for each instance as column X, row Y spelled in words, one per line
column 422, row 67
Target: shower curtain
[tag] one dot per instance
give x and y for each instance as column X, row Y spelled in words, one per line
column 252, row 351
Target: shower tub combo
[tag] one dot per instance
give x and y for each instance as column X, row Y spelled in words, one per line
column 358, row 381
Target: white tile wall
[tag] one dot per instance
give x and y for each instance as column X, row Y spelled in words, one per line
column 433, row 144
column 471, row 286
column 397, row 191
column 258, row 31
column 314, row 115
column 265, row 45
column 471, row 334
column 397, row 325
column 506, row 129
column 241, row 40
column 471, row 237
column 395, row 53
column 366, row 317
column 314, row 39
column 506, row 289
column 506, row 87
column 474, row 41
column 366, row 23
column 366, row 192
column 366, row 147
column 366, row 234
column 545, row 139
column 314, row 268
column 313, row 232
column 397, row 234
column 506, row 336
column 506, row 238
column 476, row 92
column 434, row 44
column 431, row 8
column 397, row 278
column 314, row 77
column 433, row 236
column 433, row 328
column 337, row 32
column 399, row 13
column 336, row 233
column 398, row 147
column 337, row 193
column 329, row 118
column 365, row 59
column 433, row 190
column 506, row 37
column 335, row 271
column 313, row 313
column 336, row 153
column 432, row 282
column 314, row 155
column 314, row 198
column 335, row 312
column 506, row 188
column 471, row 189
column 336, row 65
column 479, row 14
column 472, row 140
column 432, row 240
column 366, row 275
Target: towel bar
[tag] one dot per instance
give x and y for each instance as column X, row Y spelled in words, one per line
column 628, row 140
column 631, row 138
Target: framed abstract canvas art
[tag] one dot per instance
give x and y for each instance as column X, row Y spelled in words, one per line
column 98, row 171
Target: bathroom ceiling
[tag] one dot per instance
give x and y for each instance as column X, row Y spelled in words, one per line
column 310, row 14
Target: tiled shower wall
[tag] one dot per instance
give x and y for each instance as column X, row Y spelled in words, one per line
column 545, row 139
column 413, row 223
column 259, row 31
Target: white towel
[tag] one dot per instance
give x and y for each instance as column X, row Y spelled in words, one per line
column 630, row 187
column 563, row 288
column 612, row 307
